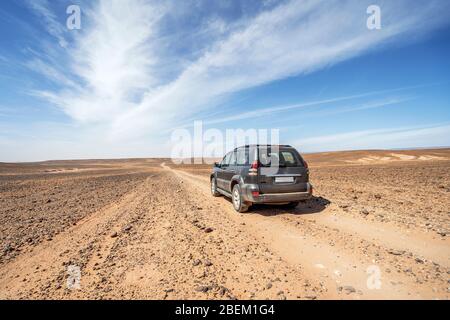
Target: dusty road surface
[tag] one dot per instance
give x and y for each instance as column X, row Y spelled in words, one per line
column 377, row 228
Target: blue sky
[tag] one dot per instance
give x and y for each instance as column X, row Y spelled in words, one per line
column 138, row 69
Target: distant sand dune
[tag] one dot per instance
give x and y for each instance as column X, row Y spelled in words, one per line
column 396, row 157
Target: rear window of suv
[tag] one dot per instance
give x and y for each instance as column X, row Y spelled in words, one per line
column 284, row 157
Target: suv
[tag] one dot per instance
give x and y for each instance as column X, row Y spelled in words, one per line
column 262, row 174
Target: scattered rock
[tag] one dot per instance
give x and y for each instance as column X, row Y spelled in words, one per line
column 208, row 230
column 443, row 233
column 396, row 252
column 8, row 248
column 223, row 290
column 419, row 260
column 127, row 228
column 208, row 263
column 346, row 289
column 365, row 212
column 269, row 285
column 114, row 235
column 203, row 289
column 196, row 262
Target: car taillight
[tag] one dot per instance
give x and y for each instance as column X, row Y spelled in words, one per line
column 255, row 193
column 254, row 168
column 306, row 164
column 255, row 165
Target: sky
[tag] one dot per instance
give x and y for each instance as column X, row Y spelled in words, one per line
column 137, row 70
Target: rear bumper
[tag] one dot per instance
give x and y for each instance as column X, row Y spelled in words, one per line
column 248, row 196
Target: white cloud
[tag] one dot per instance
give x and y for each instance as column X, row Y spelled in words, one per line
column 295, row 38
column 264, row 112
column 112, row 61
column 41, row 9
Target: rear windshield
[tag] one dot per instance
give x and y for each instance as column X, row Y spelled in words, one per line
column 284, row 158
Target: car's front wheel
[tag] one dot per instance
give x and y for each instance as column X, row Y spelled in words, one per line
column 214, row 191
column 238, row 203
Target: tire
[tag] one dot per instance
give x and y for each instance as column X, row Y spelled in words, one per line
column 214, row 191
column 236, row 198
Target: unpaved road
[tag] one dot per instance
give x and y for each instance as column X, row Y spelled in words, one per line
column 150, row 230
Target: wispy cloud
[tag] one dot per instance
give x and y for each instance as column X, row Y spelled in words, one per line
column 112, row 60
column 56, row 29
column 117, row 58
column 265, row 112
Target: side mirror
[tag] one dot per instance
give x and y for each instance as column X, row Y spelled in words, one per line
column 216, row 165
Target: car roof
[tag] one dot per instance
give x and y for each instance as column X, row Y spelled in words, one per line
column 265, row 145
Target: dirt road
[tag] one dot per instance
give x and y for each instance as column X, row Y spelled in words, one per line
column 160, row 235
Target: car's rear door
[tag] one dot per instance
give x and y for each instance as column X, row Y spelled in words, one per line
column 282, row 170
column 230, row 171
column 221, row 172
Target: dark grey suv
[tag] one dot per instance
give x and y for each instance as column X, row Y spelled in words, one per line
column 262, row 174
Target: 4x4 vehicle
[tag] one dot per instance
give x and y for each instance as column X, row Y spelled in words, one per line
column 262, row 174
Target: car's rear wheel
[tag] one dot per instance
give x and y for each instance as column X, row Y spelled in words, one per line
column 236, row 197
column 214, row 191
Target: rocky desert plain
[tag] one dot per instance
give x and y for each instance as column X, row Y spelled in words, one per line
column 377, row 228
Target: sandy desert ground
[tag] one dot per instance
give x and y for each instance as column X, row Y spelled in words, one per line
column 148, row 229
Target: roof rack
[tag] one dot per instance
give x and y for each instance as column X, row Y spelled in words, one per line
column 264, row 145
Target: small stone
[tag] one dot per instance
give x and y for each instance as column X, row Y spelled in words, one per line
column 419, row 260
column 208, row 230
column 396, row 252
column 348, row 289
column 127, row 228
column 8, row 248
column 269, row 285
column 223, row 290
column 365, row 212
column 196, row 262
column 208, row 263
column 114, row 235
column 203, row 289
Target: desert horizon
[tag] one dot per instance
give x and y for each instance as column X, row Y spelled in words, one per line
column 308, row 154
